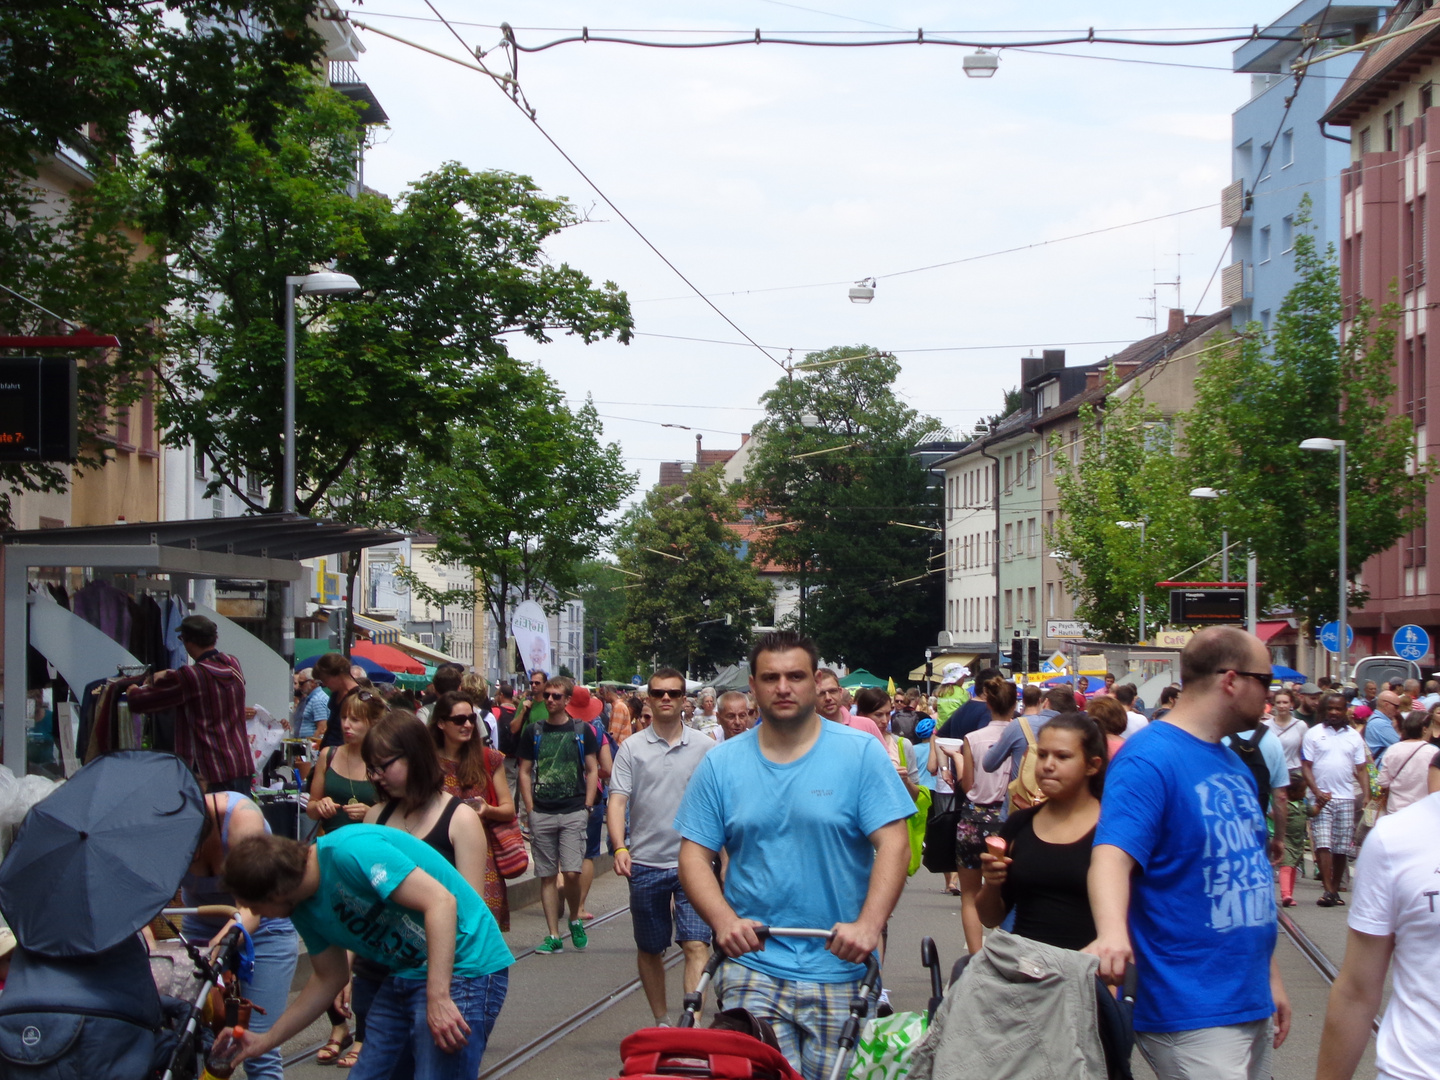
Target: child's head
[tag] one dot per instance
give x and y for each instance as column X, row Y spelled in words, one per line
column 1296, row 791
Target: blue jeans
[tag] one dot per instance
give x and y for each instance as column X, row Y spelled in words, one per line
column 275, row 952
column 396, row 1027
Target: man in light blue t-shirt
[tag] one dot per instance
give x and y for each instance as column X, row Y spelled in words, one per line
column 812, row 816
column 1198, row 919
column 392, row 898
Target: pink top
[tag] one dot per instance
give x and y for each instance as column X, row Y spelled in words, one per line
column 1405, row 770
column 861, row 723
column 989, row 787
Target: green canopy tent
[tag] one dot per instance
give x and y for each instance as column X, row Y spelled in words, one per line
column 860, row 677
column 734, row 677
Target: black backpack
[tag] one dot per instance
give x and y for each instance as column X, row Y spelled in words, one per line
column 1248, row 748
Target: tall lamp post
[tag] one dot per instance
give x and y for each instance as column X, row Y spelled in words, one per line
column 1211, row 493
column 1329, row 445
column 1141, row 526
column 323, row 283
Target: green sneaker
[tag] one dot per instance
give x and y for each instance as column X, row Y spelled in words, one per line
column 551, row 945
column 578, row 937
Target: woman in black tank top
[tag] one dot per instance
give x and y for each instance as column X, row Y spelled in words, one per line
column 402, row 761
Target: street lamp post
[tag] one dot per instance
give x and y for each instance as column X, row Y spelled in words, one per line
column 1141, row 526
column 1328, row 445
column 323, row 283
column 1211, row 493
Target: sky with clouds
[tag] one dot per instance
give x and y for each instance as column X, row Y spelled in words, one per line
column 773, row 176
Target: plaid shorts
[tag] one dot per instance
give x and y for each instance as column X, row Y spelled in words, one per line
column 1334, row 827
column 807, row 1016
column 652, row 891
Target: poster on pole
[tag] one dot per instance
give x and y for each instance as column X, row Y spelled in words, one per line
column 530, row 627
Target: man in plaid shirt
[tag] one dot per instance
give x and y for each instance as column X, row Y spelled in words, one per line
column 208, row 697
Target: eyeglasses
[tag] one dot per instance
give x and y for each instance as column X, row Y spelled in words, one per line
column 1264, row 678
column 463, row 719
column 555, row 697
column 379, row 770
column 666, row 693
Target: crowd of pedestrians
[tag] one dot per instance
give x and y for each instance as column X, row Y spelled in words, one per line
column 1150, row 838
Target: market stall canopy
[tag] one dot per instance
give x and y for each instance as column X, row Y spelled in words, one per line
column 734, row 677
column 1280, row 671
column 937, row 665
column 388, row 657
column 860, row 677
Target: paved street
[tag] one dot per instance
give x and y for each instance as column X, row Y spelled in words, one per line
column 544, row 991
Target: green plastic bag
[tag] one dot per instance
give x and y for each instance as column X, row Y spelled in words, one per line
column 916, row 822
column 885, row 1044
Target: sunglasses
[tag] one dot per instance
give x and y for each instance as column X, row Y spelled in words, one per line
column 379, row 770
column 667, row 693
column 461, row 719
column 554, row 697
column 366, row 695
column 1263, row 678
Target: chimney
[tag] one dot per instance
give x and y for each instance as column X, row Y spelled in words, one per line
column 1177, row 321
column 1092, row 380
column 698, row 438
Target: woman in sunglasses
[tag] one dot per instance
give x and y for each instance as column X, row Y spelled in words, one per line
column 341, row 794
column 475, row 774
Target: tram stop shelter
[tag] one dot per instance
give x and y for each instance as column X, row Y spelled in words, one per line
column 265, row 547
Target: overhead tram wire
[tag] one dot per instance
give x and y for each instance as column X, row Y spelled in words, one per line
column 514, row 97
column 951, row 262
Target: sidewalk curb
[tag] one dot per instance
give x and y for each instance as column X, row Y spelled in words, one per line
column 522, row 893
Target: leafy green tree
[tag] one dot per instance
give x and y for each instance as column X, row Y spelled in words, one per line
column 525, row 496
column 857, row 519
column 602, row 587
column 1128, row 471
column 1254, row 405
column 695, row 596
column 386, row 377
column 75, row 81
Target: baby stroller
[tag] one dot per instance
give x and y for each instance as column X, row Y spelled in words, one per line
column 740, row 1050
column 92, row 864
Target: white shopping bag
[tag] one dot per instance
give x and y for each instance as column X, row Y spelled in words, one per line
column 265, row 734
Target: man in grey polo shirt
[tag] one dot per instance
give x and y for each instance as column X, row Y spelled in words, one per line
column 652, row 769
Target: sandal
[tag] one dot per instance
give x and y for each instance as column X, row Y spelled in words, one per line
column 349, row 1060
column 327, row 1054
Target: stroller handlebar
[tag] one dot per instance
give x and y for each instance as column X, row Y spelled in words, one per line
column 204, row 911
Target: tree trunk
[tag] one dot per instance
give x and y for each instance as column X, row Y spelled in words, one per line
column 347, row 628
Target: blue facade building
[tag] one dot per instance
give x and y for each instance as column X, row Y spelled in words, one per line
column 1281, row 153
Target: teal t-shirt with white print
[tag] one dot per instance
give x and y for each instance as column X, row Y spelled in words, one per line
column 359, row 868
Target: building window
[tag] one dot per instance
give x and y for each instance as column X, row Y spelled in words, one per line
column 1262, row 246
column 1031, row 605
column 1030, row 468
column 199, row 463
column 1287, row 234
column 1265, row 320
column 1032, row 545
column 252, row 483
column 1427, row 97
column 1050, row 600
column 1244, row 155
column 1287, row 149
column 1389, row 131
column 1365, row 141
column 1009, row 608
column 1009, row 544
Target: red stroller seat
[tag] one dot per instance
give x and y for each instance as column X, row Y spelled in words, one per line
column 701, row 1054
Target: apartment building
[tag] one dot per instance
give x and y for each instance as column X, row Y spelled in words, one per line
column 1282, row 154
column 1387, row 243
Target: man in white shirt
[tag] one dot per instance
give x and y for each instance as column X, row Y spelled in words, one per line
column 1394, row 917
column 1333, row 759
column 1134, row 720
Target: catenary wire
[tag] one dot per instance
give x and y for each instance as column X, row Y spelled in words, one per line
column 529, row 114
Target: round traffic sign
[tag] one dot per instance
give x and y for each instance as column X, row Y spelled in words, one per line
column 1330, row 635
column 1410, row 642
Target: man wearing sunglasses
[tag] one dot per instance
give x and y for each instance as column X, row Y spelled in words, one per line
column 559, row 783
column 1198, row 920
column 651, row 773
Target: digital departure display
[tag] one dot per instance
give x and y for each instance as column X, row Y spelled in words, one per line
column 37, row 409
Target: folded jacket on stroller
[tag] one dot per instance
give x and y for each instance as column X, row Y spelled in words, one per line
column 94, row 1017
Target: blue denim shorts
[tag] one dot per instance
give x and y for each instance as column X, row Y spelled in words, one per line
column 654, row 891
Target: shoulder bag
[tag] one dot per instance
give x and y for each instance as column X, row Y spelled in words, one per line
column 511, row 858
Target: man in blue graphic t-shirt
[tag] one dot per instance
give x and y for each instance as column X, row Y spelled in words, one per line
column 812, row 815
column 1179, row 880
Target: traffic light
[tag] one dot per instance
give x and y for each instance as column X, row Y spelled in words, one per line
column 1024, row 654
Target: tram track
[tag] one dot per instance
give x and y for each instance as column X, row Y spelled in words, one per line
column 595, row 1009
column 1315, row 955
